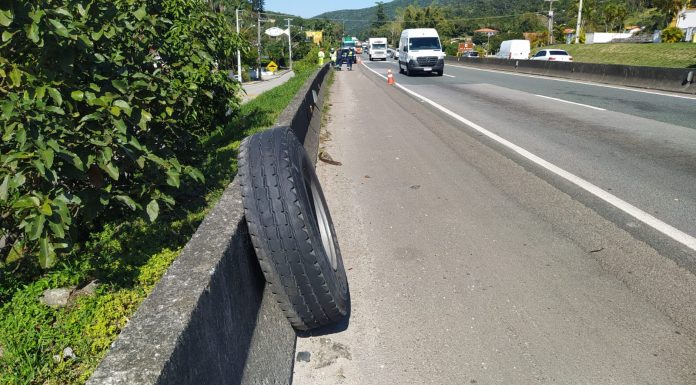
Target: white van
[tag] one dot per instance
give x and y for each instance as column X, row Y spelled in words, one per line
column 514, row 49
column 377, row 48
column 420, row 51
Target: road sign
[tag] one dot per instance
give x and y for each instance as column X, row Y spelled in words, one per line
column 272, row 66
column 275, row 31
column 465, row 47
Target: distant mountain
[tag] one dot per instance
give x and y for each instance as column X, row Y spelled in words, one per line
column 513, row 16
column 358, row 21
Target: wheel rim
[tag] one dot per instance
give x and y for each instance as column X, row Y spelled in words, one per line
column 321, row 216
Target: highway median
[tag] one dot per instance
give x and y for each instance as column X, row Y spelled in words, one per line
column 657, row 78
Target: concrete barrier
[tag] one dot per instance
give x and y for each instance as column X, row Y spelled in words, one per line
column 657, row 78
column 211, row 319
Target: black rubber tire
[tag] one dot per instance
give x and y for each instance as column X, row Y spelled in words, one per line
column 440, row 73
column 401, row 70
column 408, row 71
column 291, row 229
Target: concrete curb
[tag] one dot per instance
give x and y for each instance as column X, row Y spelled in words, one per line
column 211, row 319
column 665, row 79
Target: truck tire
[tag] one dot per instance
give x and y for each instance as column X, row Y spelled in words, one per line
column 291, row 229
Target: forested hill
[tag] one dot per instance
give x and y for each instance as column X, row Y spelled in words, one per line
column 457, row 17
column 358, row 21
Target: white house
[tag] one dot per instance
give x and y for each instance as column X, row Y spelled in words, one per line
column 686, row 21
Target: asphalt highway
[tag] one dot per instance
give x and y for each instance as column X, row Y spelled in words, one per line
column 472, row 262
column 636, row 145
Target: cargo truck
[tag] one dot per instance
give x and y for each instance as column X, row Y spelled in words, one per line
column 377, row 48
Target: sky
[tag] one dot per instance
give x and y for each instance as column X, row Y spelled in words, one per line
column 310, row 8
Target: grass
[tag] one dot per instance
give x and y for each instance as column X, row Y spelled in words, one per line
column 127, row 257
column 674, row 55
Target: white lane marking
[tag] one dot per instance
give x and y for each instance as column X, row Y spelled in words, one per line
column 578, row 82
column 664, row 228
column 569, row 102
column 396, row 64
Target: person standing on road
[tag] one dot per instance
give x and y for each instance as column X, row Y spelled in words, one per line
column 333, row 57
column 351, row 57
column 321, row 57
column 342, row 58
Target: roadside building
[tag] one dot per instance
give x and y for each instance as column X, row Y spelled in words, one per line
column 686, row 21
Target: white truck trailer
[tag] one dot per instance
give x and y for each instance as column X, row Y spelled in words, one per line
column 377, row 48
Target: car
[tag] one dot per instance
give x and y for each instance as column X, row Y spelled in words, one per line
column 552, row 55
column 473, row 54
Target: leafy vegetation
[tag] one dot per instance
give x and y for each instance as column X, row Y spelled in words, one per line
column 104, row 106
column 457, row 19
column 120, row 124
column 672, row 35
column 127, row 257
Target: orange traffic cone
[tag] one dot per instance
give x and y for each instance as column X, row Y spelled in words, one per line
column 390, row 77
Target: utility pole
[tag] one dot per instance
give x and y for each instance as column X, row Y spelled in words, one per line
column 289, row 43
column 577, row 29
column 550, row 39
column 258, row 45
column 239, row 54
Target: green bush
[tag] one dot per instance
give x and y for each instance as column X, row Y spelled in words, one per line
column 451, row 48
column 672, row 35
column 103, row 107
column 127, row 257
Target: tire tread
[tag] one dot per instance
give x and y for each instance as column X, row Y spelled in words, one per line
column 280, row 232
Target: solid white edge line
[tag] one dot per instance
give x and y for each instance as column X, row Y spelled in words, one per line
column 569, row 102
column 576, row 82
column 664, row 228
column 449, row 76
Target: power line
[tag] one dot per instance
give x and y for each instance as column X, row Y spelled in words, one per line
column 432, row 19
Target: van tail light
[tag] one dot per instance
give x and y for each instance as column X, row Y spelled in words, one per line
column 551, row 58
column 570, row 58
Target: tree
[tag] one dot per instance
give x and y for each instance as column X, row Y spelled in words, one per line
column 105, row 108
column 228, row 6
column 671, row 7
column 257, row 5
column 428, row 17
column 529, row 22
column 381, row 16
column 614, row 15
